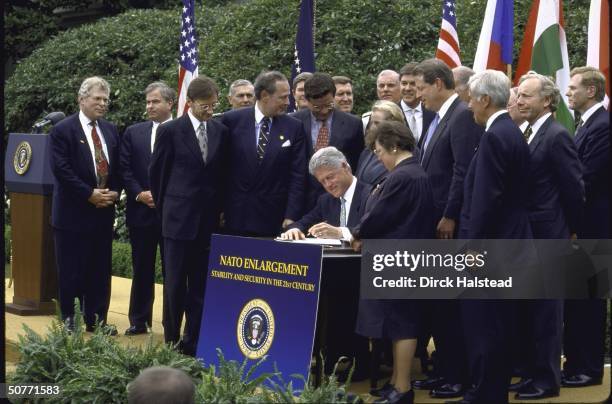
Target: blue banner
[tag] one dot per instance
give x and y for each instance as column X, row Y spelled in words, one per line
column 261, row 299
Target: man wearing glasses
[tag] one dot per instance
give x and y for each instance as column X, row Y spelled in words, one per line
column 85, row 161
column 187, row 177
column 326, row 126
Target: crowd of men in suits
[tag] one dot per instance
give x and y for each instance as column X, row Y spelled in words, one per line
column 499, row 164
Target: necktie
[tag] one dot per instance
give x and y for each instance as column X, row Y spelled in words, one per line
column 322, row 137
column 100, row 159
column 264, row 135
column 342, row 212
column 430, row 132
column 203, row 140
column 412, row 123
column 528, row 132
column 579, row 126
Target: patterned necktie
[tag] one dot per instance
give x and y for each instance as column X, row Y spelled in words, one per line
column 322, row 137
column 264, row 136
column 579, row 125
column 527, row 133
column 430, row 131
column 100, row 158
column 342, row 212
column 203, row 140
column 412, row 123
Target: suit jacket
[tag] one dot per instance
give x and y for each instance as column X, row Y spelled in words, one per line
column 135, row 156
column 593, row 144
column 400, row 206
column 428, row 117
column 369, row 169
column 188, row 193
column 262, row 194
column 75, row 177
column 496, row 186
column 346, row 135
column 556, row 188
column 327, row 209
column 447, row 157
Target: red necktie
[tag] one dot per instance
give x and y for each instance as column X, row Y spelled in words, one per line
column 322, row 137
column 101, row 162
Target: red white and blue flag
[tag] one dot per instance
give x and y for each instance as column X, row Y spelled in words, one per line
column 189, row 58
column 496, row 37
column 448, row 45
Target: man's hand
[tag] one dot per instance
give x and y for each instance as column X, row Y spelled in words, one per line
column 146, row 198
column 293, row 234
column 325, row 230
column 103, row 198
column 286, row 223
column 446, row 228
column 356, row 245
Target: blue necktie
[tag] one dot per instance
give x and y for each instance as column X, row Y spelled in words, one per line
column 430, row 132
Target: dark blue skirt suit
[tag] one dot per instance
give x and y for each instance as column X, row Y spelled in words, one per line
column 399, row 207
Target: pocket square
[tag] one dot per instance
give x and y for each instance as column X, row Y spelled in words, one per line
column 82, row 141
column 287, row 143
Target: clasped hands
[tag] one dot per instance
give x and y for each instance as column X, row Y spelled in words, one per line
column 319, row 230
column 103, row 198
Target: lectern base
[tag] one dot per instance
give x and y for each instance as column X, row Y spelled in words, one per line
column 43, row 308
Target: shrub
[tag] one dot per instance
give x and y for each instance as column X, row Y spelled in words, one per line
column 238, row 40
column 122, row 261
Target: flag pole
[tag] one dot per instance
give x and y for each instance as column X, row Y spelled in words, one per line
column 509, row 71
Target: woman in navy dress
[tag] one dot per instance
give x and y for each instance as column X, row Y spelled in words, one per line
column 400, row 207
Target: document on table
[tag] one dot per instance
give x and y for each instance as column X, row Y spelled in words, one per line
column 316, row 241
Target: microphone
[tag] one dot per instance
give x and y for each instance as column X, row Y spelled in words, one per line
column 52, row 118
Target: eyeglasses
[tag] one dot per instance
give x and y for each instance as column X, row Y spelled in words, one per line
column 205, row 107
column 318, row 108
column 101, row 100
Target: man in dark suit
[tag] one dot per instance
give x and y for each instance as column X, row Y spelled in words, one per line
column 326, row 126
column 388, row 89
column 337, row 210
column 417, row 117
column 446, row 151
column 187, row 176
column 267, row 173
column 494, row 207
column 85, row 162
column 585, row 319
column 142, row 221
column 555, row 206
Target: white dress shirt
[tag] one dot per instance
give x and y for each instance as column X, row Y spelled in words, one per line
column 154, row 131
column 537, row 125
column 418, row 116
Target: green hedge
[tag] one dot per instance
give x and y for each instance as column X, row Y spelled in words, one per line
column 357, row 38
column 122, row 261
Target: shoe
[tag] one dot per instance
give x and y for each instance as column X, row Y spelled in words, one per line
column 69, row 325
column 520, row 384
column 395, row 397
column 447, row 391
column 382, row 391
column 580, row 381
column 428, row 384
column 531, row 392
column 135, row 330
column 107, row 329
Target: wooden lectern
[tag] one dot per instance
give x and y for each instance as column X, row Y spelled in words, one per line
column 29, row 181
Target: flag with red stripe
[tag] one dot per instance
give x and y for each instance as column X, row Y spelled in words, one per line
column 448, row 44
column 598, row 51
column 188, row 55
column 496, row 37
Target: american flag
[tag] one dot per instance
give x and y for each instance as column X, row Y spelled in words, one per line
column 448, row 45
column 188, row 49
column 303, row 54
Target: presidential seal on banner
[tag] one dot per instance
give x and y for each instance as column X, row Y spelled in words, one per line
column 255, row 329
column 22, row 158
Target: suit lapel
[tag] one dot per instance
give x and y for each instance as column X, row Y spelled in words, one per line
column 537, row 138
column 274, row 144
column 146, row 142
column 354, row 213
column 213, row 140
column 85, row 150
column 189, row 138
column 246, row 140
column 307, row 123
column 438, row 132
column 336, row 130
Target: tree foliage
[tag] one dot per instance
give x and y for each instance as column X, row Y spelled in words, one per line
column 357, row 38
